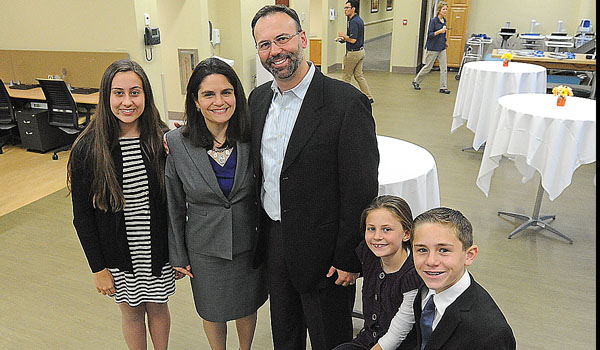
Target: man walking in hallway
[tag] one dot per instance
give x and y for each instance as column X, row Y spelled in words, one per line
column 355, row 53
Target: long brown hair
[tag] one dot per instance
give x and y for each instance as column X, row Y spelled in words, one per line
column 94, row 145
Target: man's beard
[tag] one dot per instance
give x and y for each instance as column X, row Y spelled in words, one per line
column 286, row 72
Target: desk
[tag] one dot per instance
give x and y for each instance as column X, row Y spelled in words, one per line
column 38, row 94
column 579, row 63
column 36, row 134
column 408, row 171
column 540, row 136
column 481, row 83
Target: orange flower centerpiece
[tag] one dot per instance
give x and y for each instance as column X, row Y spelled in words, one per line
column 562, row 92
column 506, row 57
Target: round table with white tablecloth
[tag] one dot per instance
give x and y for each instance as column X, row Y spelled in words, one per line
column 482, row 83
column 408, row 171
column 539, row 135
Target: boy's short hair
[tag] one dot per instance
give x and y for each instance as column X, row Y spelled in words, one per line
column 457, row 222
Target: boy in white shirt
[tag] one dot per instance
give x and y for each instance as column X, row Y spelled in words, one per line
column 453, row 311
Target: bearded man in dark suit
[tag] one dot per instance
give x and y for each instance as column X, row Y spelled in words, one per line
column 316, row 162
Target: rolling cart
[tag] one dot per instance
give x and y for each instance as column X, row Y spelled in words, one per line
column 474, row 50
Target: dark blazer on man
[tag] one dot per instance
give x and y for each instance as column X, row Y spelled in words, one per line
column 473, row 321
column 329, row 175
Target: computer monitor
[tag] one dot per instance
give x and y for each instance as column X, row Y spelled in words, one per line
column 585, row 26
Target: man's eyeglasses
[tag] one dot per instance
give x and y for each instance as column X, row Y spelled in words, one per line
column 281, row 40
column 347, row 7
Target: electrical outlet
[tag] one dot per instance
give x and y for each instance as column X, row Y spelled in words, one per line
column 146, row 19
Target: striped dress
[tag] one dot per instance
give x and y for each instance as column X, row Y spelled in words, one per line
column 140, row 286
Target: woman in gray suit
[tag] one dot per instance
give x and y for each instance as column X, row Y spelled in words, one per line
column 212, row 205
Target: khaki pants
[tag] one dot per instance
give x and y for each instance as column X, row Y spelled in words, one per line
column 353, row 66
column 430, row 57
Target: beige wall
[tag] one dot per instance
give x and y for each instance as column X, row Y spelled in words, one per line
column 302, row 7
column 117, row 25
column 333, row 51
column 520, row 13
column 374, row 27
column 226, row 16
column 405, row 39
column 249, row 9
column 316, row 18
column 79, row 25
column 183, row 25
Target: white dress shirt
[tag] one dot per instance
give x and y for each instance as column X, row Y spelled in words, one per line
column 446, row 298
column 279, row 124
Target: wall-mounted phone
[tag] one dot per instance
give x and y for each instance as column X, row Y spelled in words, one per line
column 214, row 35
column 151, row 36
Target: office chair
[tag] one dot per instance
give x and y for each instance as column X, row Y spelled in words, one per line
column 62, row 110
column 8, row 122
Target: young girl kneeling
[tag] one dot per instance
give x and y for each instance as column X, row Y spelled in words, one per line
column 390, row 280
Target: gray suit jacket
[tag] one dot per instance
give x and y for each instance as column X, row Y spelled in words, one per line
column 201, row 219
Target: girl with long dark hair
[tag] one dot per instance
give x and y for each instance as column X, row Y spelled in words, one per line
column 116, row 178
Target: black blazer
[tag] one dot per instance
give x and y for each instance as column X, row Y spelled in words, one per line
column 329, row 176
column 102, row 234
column 473, row 321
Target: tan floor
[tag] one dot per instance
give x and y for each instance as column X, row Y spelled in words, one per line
column 545, row 286
column 29, row 176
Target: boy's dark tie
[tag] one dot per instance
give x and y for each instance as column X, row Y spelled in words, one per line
column 427, row 321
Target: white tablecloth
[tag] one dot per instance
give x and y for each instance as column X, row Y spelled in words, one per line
column 482, row 82
column 408, row 171
column 541, row 136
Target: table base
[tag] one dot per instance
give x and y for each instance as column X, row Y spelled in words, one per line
column 470, row 148
column 535, row 219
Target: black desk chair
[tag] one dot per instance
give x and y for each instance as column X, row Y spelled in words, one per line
column 62, row 110
column 8, row 122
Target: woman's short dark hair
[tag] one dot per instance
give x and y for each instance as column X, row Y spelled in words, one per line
column 195, row 128
column 269, row 9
